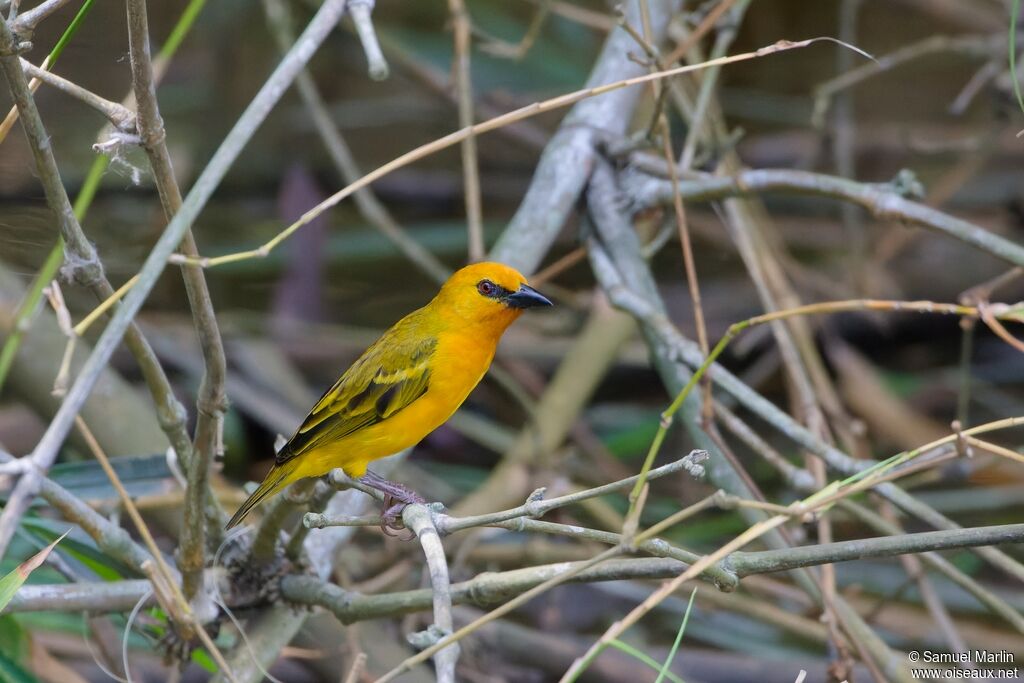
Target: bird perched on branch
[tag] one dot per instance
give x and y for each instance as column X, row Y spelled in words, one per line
column 406, row 385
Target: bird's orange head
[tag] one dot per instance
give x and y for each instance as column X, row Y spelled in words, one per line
column 491, row 294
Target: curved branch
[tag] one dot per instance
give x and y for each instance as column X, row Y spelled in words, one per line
column 885, row 201
column 564, row 169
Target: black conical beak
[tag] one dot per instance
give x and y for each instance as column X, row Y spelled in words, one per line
column 527, row 297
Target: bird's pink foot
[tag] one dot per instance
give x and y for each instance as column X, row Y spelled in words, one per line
column 391, row 512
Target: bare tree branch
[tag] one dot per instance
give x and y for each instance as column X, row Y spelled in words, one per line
column 318, row 29
column 886, row 201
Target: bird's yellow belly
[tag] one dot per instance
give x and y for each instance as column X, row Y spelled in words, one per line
column 407, row 427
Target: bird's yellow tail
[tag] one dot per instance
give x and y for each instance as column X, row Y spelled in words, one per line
column 276, row 479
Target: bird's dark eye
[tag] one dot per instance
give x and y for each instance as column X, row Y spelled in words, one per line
column 487, row 288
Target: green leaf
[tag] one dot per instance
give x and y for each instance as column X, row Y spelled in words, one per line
column 203, row 659
column 141, row 475
column 10, row 584
column 11, row 672
column 13, row 639
column 80, row 547
column 679, row 638
column 643, row 657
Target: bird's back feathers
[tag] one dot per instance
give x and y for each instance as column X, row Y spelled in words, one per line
column 390, row 375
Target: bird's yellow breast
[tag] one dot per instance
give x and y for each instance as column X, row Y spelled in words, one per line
column 459, row 363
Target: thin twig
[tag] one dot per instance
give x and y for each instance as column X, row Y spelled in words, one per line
column 87, row 269
column 702, row 29
column 478, row 129
column 470, row 162
column 971, row 45
column 884, row 201
column 27, row 21
column 723, row 40
column 321, row 25
column 281, row 23
column 674, row 346
column 211, row 401
column 361, row 12
column 689, row 264
column 819, row 500
column 120, row 116
column 559, row 578
column 537, row 506
column 163, row 578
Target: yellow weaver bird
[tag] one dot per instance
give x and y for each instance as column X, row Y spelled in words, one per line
column 406, row 385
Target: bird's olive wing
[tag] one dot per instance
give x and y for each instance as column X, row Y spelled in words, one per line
column 389, row 376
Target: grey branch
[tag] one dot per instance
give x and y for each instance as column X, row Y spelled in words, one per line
column 493, row 588
column 884, row 201
column 280, row 20
column 537, row 506
column 84, row 265
column 568, row 159
column 321, row 25
column 120, row 116
column 745, row 564
column 88, row 270
column 109, row 537
column 420, row 521
column 211, row 401
column 361, row 12
column 673, row 347
column 27, row 21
